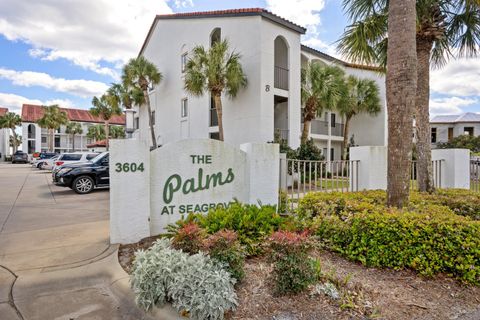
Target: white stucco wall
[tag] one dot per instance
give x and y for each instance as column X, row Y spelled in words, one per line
column 4, row 143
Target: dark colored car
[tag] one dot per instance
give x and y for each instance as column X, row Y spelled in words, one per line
column 85, row 176
column 20, row 156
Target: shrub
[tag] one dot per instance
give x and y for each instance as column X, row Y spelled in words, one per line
column 225, row 247
column 427, row 243
column 293, row 270
column 195, row 284
column 188, row 238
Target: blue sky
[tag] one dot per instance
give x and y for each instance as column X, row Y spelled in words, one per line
column 64, row 52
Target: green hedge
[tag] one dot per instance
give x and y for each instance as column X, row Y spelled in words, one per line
column 426, row 236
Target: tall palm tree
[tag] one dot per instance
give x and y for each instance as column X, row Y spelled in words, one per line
column 96, row 132
column 74, row 128
column 11, row 121
column 401, row 88
column 215, row 71
column 323, row 86
column 363, row 96
column 444, row 29
column 53, row 118
column 125, row 96
column 105, row 108
column 141, row 74
column 117, row 132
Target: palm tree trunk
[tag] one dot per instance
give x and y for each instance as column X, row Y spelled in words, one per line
column 14, row 144
column 345, row 137
column 73, row 142
column 218, row 106
column 422, row 117
column 305, row 131
column 401, row 89
column 107, row 134
column 52, row 140
column 150, row 119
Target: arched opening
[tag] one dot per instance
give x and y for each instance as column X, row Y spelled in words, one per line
column 281, row 63
column 215, row 36
column 31, row 131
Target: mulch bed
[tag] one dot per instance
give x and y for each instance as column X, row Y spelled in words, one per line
column 367, row 293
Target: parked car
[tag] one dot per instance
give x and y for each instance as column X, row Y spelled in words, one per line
column 48, row 164
column 84, row 177
column 38, row 161
column 73, row 157
column 20, row 156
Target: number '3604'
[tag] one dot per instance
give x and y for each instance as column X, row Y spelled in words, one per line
column 128, row 167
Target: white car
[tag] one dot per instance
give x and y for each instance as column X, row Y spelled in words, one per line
column 48, row 164
column 73, row 157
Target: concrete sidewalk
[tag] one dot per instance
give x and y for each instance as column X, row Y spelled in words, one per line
column 55, row 258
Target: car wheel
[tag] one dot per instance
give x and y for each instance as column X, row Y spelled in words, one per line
column 39, row 165
column 83, row 185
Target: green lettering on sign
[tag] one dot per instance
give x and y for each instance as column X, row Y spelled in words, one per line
column 128, row 167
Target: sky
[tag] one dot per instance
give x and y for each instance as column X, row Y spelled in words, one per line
column 66, row 51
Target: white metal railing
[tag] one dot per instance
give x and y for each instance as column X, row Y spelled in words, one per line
column 475, row 175
column 436, row 171
column 298, row 177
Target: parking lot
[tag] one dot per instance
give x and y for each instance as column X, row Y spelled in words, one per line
column 55, row 258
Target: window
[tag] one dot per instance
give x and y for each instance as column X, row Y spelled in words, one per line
column 468, row 131
column 332, row 120
column 59, row 130
column 44, row 139
column 91, row 156
column 136, row 123
column 332, row 154
column 71, row 157
column 184, row 108
column 450, row 134
column 213, row 113
column 184, row 62
column 153, row 118
column 57, row 142
column 215, row 36
column 434, row 135
column 215, row 135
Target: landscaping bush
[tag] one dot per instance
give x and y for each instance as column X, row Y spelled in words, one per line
column 293, row 269
column 428, row 243
column 188, row 238
column 225, row 247
column 195, row 284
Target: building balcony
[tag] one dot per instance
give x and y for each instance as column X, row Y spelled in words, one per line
column 321, row 127
column 280, row 79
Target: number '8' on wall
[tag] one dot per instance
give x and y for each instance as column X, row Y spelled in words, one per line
column 128, row 167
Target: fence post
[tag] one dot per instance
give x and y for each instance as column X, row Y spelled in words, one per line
column 455, row 169
column 283, row 171
column 372, row 167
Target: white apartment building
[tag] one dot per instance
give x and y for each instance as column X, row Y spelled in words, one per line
column 35, row 138
column 272, row 57
column 446, row 127
column 4, row 139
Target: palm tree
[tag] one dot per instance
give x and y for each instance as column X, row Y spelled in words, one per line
column 11, row 121
column 74, row 128
column 141, row 74
column 14, row 142
column 322, row 88
column 363, row 96
column 53, row 118
column 215, row 71
column 96, row 132
column 117, row 132
column 105, row 108
column 444, row 29
column 125, row 96
column 401, row 86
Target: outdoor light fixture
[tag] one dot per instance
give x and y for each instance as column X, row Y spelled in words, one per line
column 129, row 123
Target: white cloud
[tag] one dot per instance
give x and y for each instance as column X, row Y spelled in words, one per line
column 459, row 77
column 183, row 3
column 85, row 32
column 80, row 87
column 14, row 102
column 450, row 105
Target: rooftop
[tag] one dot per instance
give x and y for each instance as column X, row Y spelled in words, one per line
column 464, row 117
column 33, row 113
column 3, row 111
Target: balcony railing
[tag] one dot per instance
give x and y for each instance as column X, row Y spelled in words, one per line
column 321, row 127
column 280, row 80
column 213, row 118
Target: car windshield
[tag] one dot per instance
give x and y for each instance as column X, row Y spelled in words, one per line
column 99, row 157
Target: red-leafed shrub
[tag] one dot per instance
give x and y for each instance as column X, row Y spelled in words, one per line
column 189, row 238
column 225, row 247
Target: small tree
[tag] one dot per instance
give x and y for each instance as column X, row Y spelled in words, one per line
column 74, row 128
column 215, row 71
column 105, row 108
column 11, row 121
column 52, row 119
column 323, row 87
column 14, row 142
column 96, row 132
column 139, row 74
column 363, row 97
column 117, row 132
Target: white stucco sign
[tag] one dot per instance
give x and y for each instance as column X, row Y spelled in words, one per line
column 188, row 176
